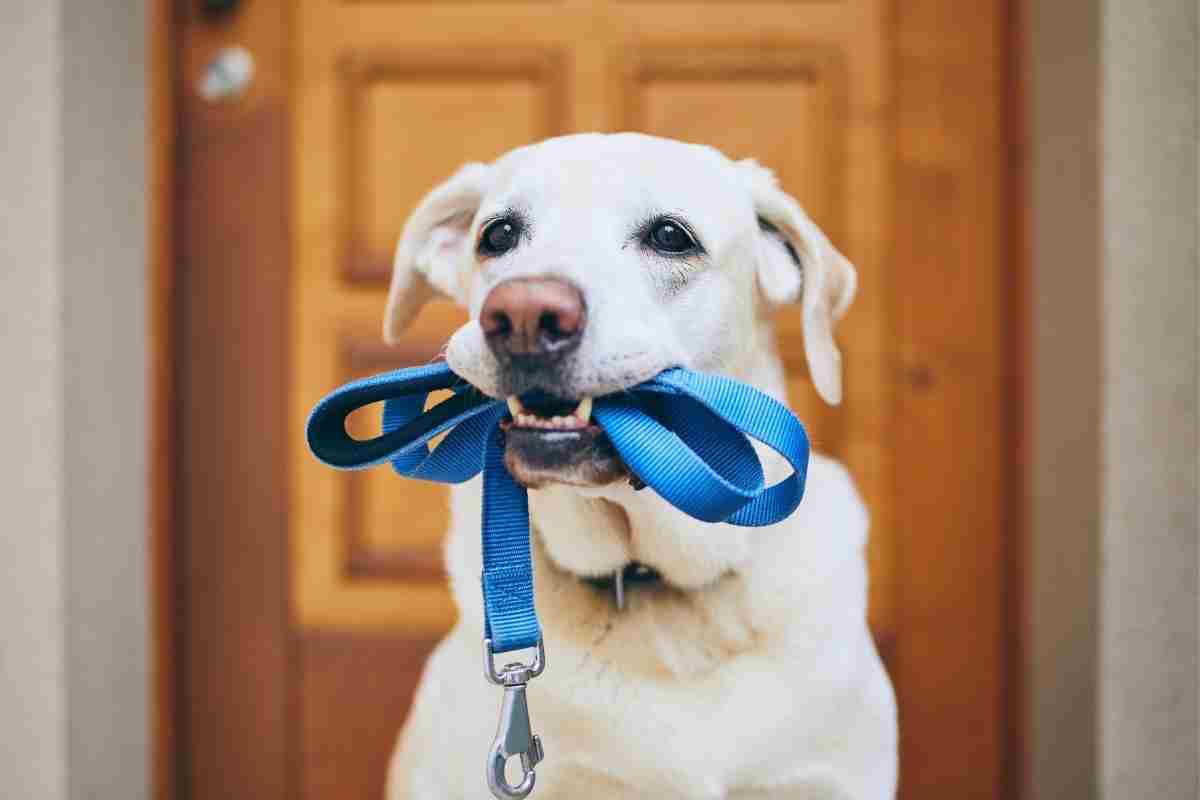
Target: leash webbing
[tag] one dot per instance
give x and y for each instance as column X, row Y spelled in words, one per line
column 680, row 433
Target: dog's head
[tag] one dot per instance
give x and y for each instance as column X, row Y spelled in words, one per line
column 590, row 263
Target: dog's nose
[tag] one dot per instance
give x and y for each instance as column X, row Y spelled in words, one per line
column 533, row 318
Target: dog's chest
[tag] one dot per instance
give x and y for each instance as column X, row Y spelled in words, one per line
column 671, row 736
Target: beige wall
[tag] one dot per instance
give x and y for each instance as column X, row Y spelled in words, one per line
column 32, row 604
column 1113, row 479
column 1148, row 544
column 73, row 632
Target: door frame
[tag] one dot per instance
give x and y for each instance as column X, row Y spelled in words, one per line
column 161, row 137
column 193, row 146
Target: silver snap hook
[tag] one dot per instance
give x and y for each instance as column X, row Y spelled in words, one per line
column 514, row 734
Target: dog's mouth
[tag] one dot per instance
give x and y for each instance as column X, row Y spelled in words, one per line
column 553, row 440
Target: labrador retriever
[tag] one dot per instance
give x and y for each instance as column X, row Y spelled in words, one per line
column 738, row 663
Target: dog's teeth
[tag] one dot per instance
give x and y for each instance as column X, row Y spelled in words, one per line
column 584, row 411
column 523, row 418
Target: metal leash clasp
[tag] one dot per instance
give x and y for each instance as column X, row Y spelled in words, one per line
column 514, row 735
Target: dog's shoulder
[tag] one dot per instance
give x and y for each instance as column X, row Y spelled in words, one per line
column 832, row 500
column 816, row 557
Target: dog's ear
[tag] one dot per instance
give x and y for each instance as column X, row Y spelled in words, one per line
column 797, row 261
column 432, row 246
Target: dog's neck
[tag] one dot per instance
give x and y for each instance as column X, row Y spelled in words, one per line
column 582, row 533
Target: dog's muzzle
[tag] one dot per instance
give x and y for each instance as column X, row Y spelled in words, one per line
column 533, row 326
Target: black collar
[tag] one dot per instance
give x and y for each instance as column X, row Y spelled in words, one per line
column 633, row 572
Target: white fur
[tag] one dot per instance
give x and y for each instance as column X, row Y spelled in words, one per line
column 751, row 673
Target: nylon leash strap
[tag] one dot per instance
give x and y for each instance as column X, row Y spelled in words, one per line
column 682, row 433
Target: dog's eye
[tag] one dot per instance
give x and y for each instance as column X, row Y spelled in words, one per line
column 499, row 237
column 669, row 236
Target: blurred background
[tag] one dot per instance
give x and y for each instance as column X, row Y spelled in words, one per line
column 201, row 198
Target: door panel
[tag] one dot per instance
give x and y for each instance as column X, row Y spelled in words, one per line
column 296, row 683
column 403, row 106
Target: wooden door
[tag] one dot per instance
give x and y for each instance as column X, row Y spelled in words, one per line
column 310, row 598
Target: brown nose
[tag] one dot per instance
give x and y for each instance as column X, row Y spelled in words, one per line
column 533, row 317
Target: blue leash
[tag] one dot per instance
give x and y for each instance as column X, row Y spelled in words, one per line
column 682, row 433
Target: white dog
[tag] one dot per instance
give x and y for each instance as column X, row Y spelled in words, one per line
column 589, row 263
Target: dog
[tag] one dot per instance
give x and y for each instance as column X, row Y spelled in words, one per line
column 743, row 666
